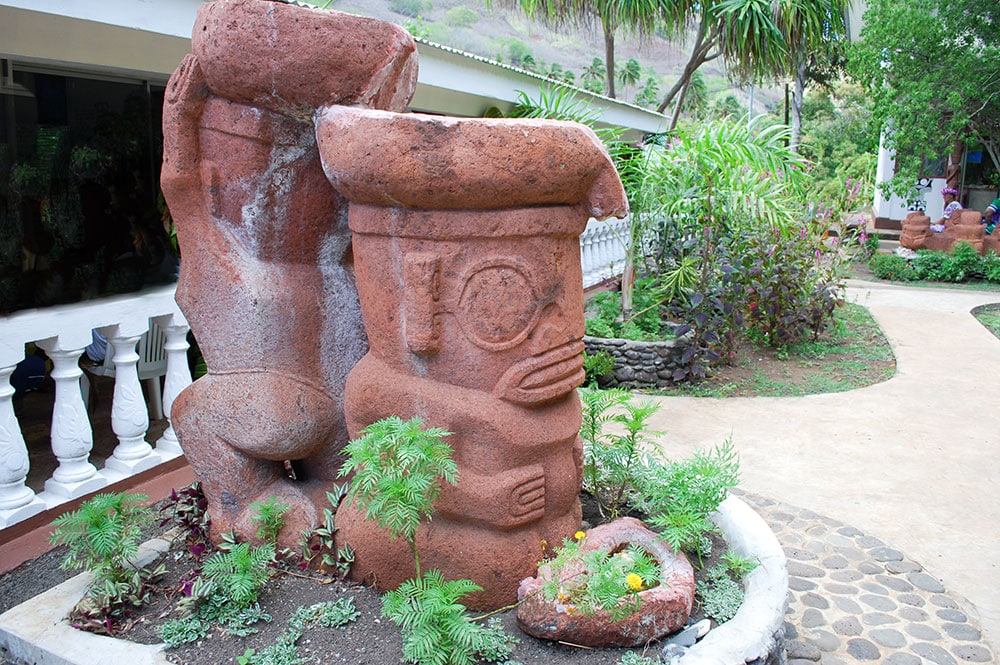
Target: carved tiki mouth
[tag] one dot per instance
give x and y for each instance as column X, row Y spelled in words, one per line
column 543, row 377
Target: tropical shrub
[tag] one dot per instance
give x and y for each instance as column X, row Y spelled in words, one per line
column 102, row 536
column 890, row 266
column 397, row 472
column 789, row 294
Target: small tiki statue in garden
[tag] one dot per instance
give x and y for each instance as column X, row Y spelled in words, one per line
column 266, row 278
column 467, row 256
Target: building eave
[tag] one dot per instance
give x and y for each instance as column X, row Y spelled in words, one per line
column 145, row 39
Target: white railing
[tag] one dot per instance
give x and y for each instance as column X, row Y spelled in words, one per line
column 602, row 250
column 64, row 332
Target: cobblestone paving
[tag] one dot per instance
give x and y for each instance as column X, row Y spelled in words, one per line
column 852, row 598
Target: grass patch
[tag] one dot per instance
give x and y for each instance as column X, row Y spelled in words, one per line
column 989, row 316
column 852, row 353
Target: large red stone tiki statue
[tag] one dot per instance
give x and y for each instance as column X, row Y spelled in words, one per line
column 467, row 255
column 266, row 276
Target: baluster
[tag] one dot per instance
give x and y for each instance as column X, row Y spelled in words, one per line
column 17, row 502
column 178, row 378
column 587, row 254
column 129, row 413
column 605, row 238
column 72, row 436
column 621, row 227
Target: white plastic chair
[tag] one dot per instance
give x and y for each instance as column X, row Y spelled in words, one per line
column 151, row 366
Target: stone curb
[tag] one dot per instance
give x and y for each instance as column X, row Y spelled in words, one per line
column 756, row 633
column 37, row 631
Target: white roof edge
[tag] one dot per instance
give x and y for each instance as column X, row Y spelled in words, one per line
column 439, row 66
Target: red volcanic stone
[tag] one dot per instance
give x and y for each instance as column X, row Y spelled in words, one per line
column 293, row 59
column 374, row 157
column 664, row 608
column 465, row 237
column 962, row 226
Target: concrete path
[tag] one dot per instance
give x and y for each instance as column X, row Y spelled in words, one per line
column 913, row 462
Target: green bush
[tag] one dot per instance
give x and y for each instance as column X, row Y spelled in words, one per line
column 961, row 264
column 411, row 8
column 644, row 323
column 789, row 294
column 892, row 267
column 461, row 16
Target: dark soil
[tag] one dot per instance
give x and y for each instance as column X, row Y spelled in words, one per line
column 369, row 639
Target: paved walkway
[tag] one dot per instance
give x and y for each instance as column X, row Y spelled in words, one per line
column 897, row 559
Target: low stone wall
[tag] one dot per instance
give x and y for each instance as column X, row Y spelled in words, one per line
column 638, row 364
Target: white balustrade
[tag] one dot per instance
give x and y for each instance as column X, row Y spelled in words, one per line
column 63, row 332
column 17, row 502
column 603, row 250
column 71, row 433
column 129, row 414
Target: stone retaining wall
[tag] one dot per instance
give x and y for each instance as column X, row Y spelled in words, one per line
column 638, row 364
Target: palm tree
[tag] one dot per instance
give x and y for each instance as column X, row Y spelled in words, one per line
column 758, row 40
column 639, row 16
column 649, row 93
column 630, row 73
column 593, row 76
column 741, row 32
column 810, row 28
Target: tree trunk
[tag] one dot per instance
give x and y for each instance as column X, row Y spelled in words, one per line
column 797, row 95
column 609, row 56
column 677, row 107
column 697, row 59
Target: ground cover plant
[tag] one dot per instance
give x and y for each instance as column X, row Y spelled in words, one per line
column 989, row 316
column 963, row 264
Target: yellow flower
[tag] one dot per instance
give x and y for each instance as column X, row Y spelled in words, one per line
column 579, row 535
column 634, row 581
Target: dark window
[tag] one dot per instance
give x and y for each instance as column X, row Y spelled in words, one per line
column 80, row 216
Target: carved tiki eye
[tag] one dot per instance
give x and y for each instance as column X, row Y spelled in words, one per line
column 498, row 306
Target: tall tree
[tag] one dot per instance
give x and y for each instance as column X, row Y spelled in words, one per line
column 815, row 32
column 933, row 70
column 759, row 40
column 741, row 32
column 641, row 17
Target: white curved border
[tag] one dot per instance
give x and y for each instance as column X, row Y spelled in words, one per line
column 748, row 635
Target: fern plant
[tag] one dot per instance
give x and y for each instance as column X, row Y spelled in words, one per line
column 611, row 460
column 239, row 573
column 436, row 629
column 103, row 534
column 269, row 515
column 396, row 467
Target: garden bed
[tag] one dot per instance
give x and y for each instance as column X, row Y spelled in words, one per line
column 36, row 631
